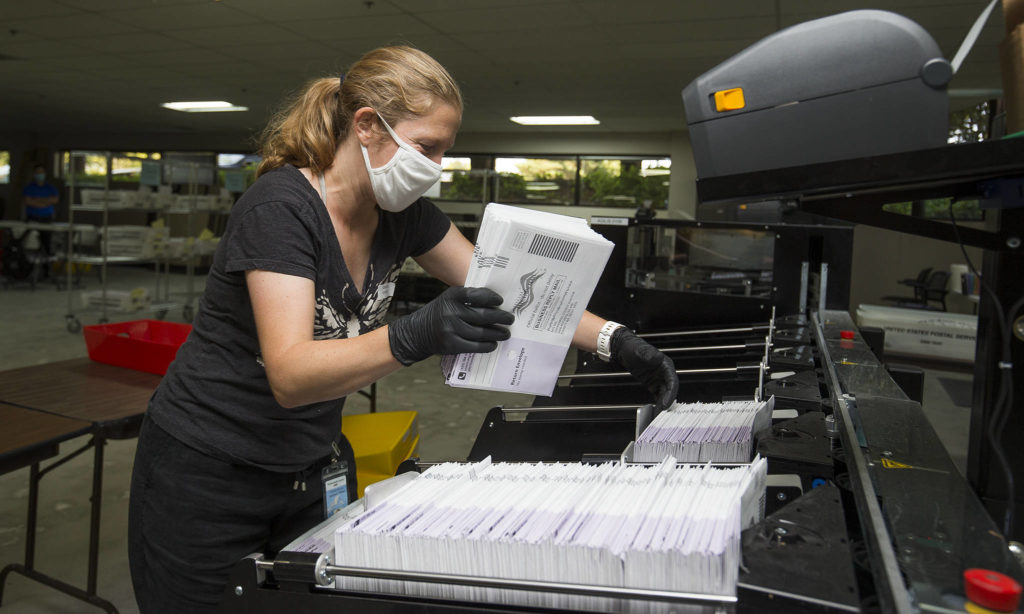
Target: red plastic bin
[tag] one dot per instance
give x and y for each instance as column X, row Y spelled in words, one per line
column 143, row 345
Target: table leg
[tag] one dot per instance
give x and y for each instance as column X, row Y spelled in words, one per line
column 94, row 524
column 33, row 513
column 28, row 569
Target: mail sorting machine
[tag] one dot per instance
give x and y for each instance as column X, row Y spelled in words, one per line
column 865, row 511
column 597, row 412
column 831, row 541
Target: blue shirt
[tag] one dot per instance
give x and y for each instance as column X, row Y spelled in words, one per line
column 35, row 190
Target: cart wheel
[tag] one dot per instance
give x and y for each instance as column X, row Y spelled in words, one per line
column 160, row 315
column 187, row 313
column 73, row 324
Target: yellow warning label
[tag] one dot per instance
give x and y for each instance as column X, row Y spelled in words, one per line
column 974, row 608
column 891, row 464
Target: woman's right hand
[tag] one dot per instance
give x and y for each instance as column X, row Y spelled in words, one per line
column 460, row 320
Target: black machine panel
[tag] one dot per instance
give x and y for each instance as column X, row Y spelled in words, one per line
column 649, row 283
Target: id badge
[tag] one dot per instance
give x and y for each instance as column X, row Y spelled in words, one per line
column 334, row 478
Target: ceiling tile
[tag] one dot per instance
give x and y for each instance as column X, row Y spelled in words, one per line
column 110, row 6
column 696, row 31
column 617, row 12
column 546, row 16
column 428, row 6
column 158, row 17
column 92, row 63
column 249, row 34
column 387, row 28
column 12, row 9
column 276, row 11
column 278, row 51
column 179, row 57
column 130, row 43
column 78, row 24
column 40, row 49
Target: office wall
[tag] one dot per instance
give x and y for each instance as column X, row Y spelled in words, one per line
column 880, row 257
column 883, row 257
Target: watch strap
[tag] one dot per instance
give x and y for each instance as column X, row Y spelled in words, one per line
column 604, row 340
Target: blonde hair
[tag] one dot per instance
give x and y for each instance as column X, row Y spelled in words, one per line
column 398, row 82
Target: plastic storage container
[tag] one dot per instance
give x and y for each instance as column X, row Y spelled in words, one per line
column 143, row 345
column 381, row 442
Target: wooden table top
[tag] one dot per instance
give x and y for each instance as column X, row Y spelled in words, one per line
column 80, row 388
column 29, row 436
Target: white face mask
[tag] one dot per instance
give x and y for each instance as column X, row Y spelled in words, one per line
column 404, row 178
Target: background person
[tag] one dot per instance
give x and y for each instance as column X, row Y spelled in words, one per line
column 39, row 199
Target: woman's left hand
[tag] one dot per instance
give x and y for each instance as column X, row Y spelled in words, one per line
column 647, row 364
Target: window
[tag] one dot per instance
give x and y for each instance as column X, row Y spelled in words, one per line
column 85, row 168
column 236, row 171
column 461, row 181
column 625, row 182
column 5, row 167
column 938, row 209
column 596, row 181
column 536, row 181
column 126, row 167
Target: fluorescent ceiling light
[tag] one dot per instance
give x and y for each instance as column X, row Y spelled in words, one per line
column 203, row 106
column 555, row 120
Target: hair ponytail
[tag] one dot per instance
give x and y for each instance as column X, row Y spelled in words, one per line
column 398, row 82
column 305, row 131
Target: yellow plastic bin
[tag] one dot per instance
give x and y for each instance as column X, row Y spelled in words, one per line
column 381, row 441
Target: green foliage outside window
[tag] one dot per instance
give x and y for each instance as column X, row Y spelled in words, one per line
column 463, row 186
column 603, row 182
column 938, row 209
column 615, row 183
column 969, row 125
column 87, row 170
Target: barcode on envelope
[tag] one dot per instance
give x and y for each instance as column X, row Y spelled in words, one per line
column 550, row 247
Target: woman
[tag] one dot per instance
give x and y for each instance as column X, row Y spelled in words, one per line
column 229, row 456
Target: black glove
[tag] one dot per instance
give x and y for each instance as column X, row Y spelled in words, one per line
column 647, row 364
column 459, row 320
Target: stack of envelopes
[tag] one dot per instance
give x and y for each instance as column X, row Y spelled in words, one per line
column 663, row 526
column 545, row 266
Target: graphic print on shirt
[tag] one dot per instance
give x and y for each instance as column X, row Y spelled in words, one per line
column 376, row 306
column 330, row 322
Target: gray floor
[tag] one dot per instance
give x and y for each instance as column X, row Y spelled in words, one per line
column 33, row 332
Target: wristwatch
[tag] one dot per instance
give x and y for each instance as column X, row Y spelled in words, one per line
column 604, row 340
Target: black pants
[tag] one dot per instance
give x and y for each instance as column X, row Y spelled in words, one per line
column 192, row 517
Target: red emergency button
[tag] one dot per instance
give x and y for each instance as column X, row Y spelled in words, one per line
column 991, row 589
column 846, row 334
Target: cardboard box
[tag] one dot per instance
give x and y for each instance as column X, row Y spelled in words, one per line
column 135, row 241
column 116, row 300
column 935, row 335
column 1012, row 61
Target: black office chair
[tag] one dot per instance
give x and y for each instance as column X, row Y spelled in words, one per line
column 916, row 284
column 936, row 289
column 933, row 288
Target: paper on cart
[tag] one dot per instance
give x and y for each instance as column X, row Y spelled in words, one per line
column 545, row 267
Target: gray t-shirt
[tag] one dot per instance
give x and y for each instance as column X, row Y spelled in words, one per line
column 215, row 396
